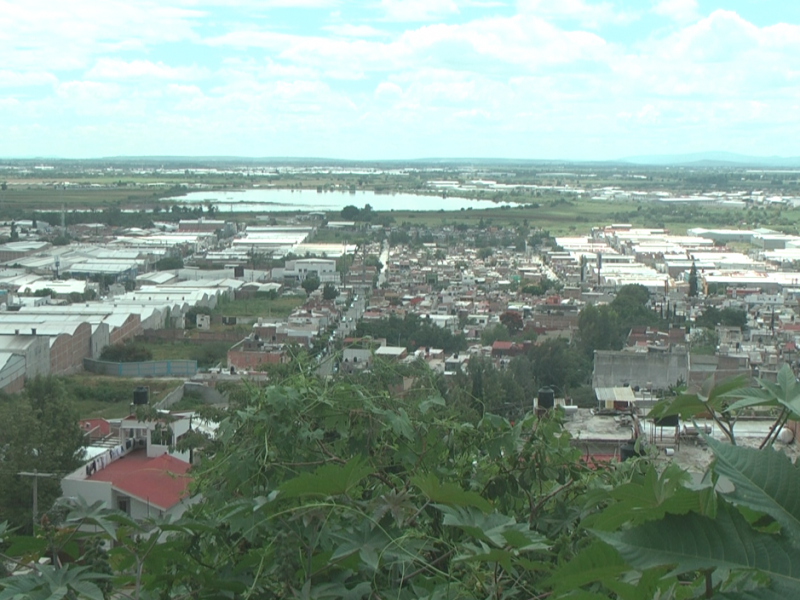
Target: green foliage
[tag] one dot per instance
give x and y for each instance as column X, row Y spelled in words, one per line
column 557, row 364
column 169, row 263
column 413, row 332
column 339, row 490
column 40, row 433
column 729, row 317
column 712, row 401
column 631, row 304
column 329, row 292
column 126, row 353
column 741, row 544
column 496, row 333
column 693, row 281
column 512, row 321
column 599, row 329
column 541, row 288
column 310, row 284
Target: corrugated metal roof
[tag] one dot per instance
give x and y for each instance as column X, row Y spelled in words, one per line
column 615, row 394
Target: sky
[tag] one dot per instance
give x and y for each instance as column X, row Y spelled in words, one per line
column 399, row 79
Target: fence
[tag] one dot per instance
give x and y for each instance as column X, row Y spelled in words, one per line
column 155, row 368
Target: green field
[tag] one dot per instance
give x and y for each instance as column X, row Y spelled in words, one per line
column 260, row 307
column 96, row 396
column 42, row 198
column 557, row 214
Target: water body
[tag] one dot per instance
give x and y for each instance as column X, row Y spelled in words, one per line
column 279, row 200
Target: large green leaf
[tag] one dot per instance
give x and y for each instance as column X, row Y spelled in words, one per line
column 328, row 480
column 764, row 480
column 685, row 406
column 499, row 530
column 596, row 562
column 717, row 395
column 449, row 493
column 693, row 542
column 759, row 594
column 785, row 392
column 650, row 498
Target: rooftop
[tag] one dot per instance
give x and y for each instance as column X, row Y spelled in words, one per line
column 161, row 481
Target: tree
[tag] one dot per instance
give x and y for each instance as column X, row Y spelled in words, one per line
column 556, row 364
column 498, row 333
column 512, row 321
column 729, row 317
column 169, row 263
column 40, row 433
column 335, row 490
column 599, row 329
column 329, row 292
column 350, row 213
column 631, row 305
column 693, row 281
column 412, row 332
column 310, row 284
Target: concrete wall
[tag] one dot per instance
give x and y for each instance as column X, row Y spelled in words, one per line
column 158, row 368
column 208, row 394
column 100, row 338
column 129, row 329
column 68, row 351
column 12, row 374
column 651, row 369
column 37, row 357
column 91, row 491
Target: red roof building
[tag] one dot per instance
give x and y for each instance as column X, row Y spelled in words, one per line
column 161, row 482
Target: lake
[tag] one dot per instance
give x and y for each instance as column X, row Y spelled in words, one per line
column 281, row 200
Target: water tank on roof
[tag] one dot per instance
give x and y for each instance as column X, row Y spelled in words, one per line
column 141, row 396
column 629, row 450
column 547, row 397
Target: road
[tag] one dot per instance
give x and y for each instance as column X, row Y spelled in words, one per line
column 352, row 315
column 384, row 258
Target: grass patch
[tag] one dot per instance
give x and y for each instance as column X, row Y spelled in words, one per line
column 260, row 307
column 207, row 354
column 99, row 397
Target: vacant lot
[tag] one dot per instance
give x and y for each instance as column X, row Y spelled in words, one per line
column 260, row 307
column 96, row 396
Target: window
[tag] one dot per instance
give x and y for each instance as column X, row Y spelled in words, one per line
column 124, row 505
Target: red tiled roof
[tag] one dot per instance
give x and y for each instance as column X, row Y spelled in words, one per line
column 161, row 481
column 498, row 345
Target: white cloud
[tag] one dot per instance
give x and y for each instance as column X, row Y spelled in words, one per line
column 682, row 11
column 418, row 10
column 586, row 13
column 16, row 79
column 56, row 35
column 263, row 3
column 388, row 91
column 356, row 31
column 501, row 79
column 109, row 68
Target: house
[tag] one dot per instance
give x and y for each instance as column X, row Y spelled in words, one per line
column 137, row 473
column 252, row 352
column 391, row 353
column 135, row 484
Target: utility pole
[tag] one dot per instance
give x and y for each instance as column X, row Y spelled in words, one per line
column 36, row 475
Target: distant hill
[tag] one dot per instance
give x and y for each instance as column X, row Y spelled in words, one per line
column 714, row 159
